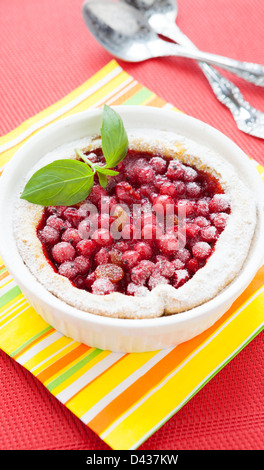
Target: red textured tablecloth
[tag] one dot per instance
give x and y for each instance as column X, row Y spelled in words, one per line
column 45, row 52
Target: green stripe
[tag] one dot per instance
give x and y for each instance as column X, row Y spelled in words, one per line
column 10, row 295
column 2, row 270
column 161, row 423
column 24, row 345
column 139, row 97
column 59, row 380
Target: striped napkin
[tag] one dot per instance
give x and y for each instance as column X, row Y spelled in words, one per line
column 124, row 398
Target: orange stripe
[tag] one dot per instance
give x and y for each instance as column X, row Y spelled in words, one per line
column 145, row 383
column 133, row 393
column 97, row 377
column 62, row 362
column 4, row 275
column 2, row 266
column 169, row 363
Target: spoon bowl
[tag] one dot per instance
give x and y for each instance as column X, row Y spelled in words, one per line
column 121, row 30
column 127, row 34
column 157, row 12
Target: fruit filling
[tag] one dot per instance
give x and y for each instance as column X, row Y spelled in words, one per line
column 156, row 222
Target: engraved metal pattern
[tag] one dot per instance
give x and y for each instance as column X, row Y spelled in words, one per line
column 248, row 119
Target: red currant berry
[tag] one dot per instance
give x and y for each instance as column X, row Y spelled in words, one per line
column 219, row 203
column 102, row 287
column 68, row 269
column 85, row 247
column 82, row 264
column 130, row 259
column 180, row 277
column 175, row 170
column 71, row 235
column 144, row 249
column 63, row 251
column 102, row 237
column 201, row 250
column 159, row 165
column 49, row 235
column 109, row 271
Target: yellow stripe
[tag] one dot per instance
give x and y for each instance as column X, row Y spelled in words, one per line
column 13, row 314
column 21, row 329
column 99, row 95
column 260, row 169
column 175, row 391
column 10, row 305
column 100, row 387
column 8, row 282
column 51, row 349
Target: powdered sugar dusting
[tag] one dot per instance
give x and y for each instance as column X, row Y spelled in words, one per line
column 221, row 268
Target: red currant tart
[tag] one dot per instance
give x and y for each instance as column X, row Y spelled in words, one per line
column 166, row 234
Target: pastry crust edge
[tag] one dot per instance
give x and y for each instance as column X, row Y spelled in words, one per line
column 231, row 249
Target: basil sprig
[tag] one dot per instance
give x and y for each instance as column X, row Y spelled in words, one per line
column 62, row 182
column 66, row 182
column 114, row 138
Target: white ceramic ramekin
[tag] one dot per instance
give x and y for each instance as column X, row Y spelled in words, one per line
column 111, row 333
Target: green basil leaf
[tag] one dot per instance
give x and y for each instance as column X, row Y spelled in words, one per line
column 106, row 171
column 67, row 182
column 102, row 173
column 102, row 179
column 62, row 182
column 114, row 137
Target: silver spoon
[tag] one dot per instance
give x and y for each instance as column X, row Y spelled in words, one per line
column 126, row 34
column 161, row 15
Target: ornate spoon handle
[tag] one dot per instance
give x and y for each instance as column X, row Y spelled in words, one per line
column 251, row 72
column 248, row 119
column 230, row 96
